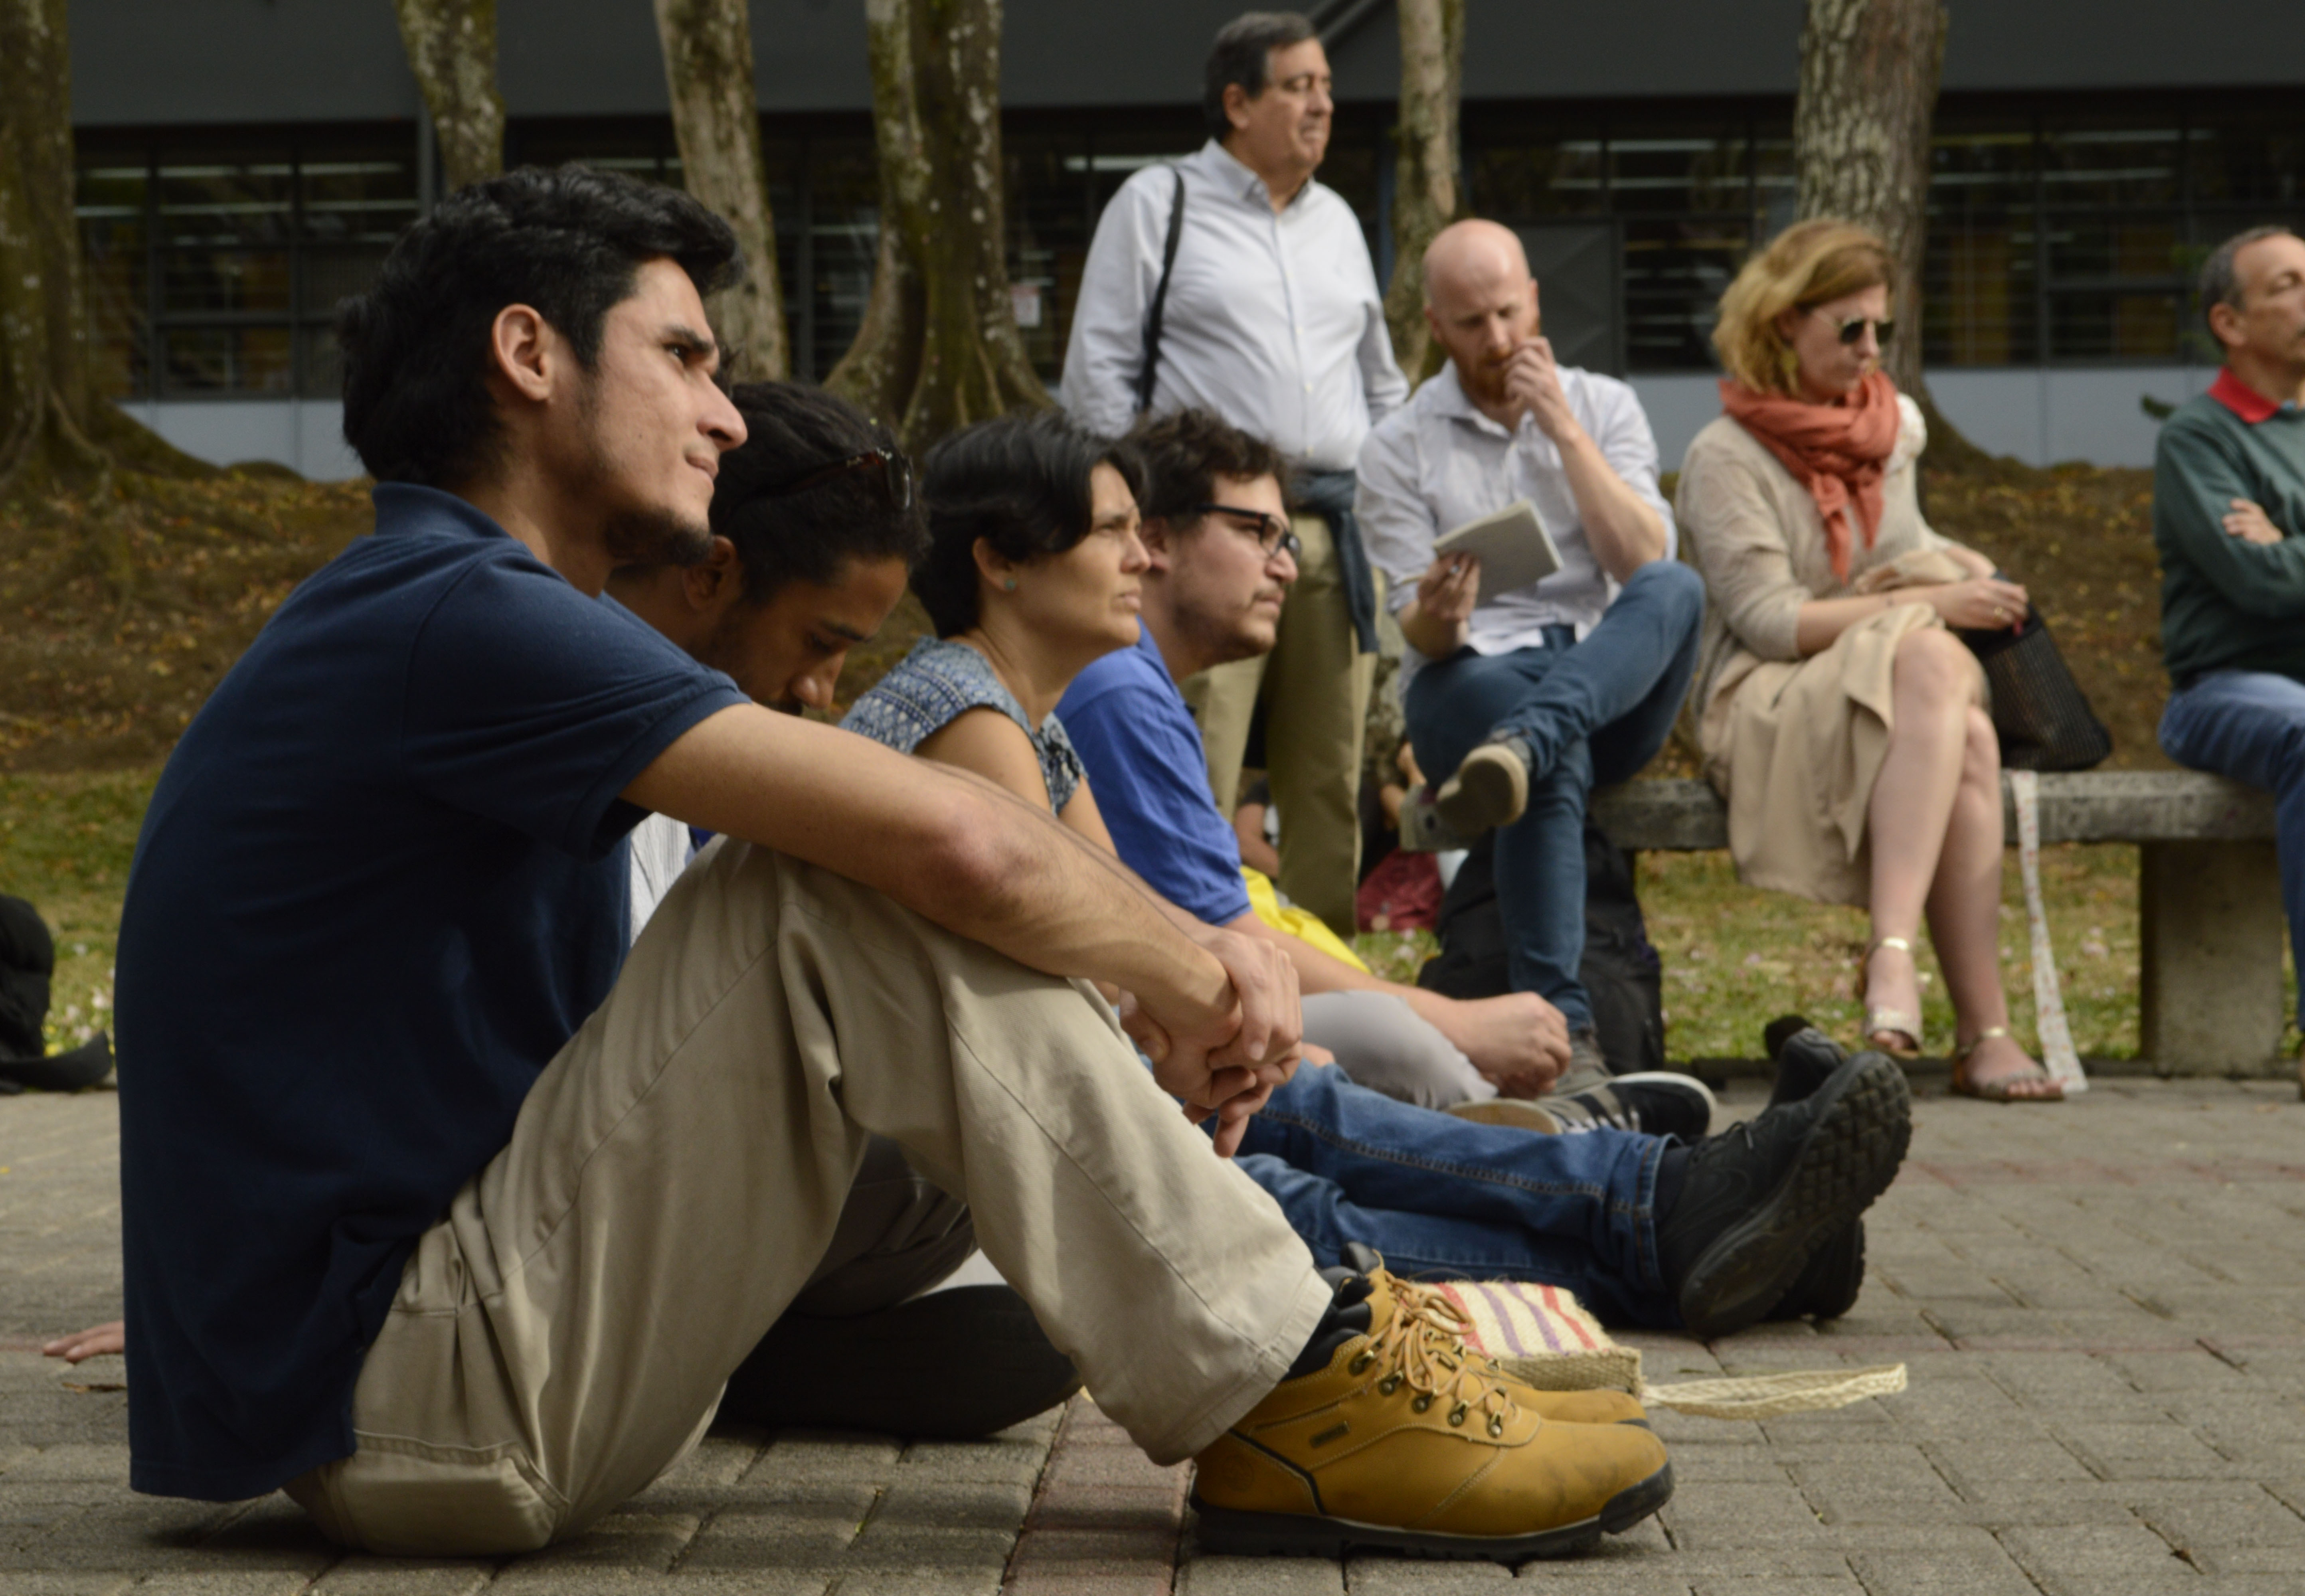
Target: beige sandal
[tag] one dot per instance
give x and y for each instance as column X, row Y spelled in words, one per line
column 1880, row 1022
column 1998, row 1091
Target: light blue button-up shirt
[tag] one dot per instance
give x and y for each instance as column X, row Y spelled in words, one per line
column 1273, row 320
column 1441, row 462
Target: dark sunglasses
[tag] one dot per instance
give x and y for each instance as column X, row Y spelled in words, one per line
column 1272, row 534
column 1849, row 332
column 895, row 477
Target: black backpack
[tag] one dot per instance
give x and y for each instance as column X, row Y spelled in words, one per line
column 1620, row 971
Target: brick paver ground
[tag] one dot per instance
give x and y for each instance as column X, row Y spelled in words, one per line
column 2102, row 1306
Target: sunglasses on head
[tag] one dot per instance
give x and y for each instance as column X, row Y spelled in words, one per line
column 896, row 476
column 1884, row 327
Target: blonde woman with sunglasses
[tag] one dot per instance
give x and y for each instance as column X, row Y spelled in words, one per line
column 1837, row 710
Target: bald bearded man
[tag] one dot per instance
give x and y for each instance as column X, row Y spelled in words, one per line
column 1531, row 697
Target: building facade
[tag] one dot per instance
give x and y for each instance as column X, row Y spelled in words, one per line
column 244, row 163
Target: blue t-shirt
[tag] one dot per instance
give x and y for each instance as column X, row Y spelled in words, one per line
column 381, row 882
column 940, row 682
column 1144, row 762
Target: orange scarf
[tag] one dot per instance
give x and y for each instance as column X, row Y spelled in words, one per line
column 1839, row 451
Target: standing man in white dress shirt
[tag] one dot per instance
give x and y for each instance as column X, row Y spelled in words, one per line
column 1535, row 696
column 1272, row 319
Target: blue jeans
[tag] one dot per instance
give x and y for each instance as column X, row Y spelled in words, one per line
column 1441, row 1196
column 2250, row 725
column 1592, row 713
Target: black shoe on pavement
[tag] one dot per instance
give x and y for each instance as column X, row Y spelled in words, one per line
column 84, row 1065
column 1806, row 1057
column 952, row 1365
column 1760, row 1200
column 1828, row 1287
column 1659, row 1102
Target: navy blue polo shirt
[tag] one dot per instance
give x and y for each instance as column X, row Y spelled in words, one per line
column 381, row 882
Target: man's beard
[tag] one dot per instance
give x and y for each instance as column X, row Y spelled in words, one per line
column 1488, row 383
column 656, row 538
column 1222, row 644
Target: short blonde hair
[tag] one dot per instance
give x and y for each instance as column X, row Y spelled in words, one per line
column 1810, row 263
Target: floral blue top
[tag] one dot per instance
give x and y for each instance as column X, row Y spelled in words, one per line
column 937, row 683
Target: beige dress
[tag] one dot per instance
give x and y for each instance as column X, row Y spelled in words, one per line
column 1794, row 744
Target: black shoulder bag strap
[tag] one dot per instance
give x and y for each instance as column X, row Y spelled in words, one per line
column 1160, row 297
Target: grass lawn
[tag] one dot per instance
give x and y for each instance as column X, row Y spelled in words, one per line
column 1734, row 958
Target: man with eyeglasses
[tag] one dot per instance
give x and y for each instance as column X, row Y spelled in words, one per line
column 1235, row 282
column 1221, row 561
column 1533, row 697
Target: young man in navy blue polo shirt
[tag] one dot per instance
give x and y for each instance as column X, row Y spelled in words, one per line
column 444, row 1214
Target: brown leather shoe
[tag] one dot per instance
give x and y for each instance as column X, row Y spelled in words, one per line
column 1409, row 1441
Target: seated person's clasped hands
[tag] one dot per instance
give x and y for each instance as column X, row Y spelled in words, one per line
column 1842, row 719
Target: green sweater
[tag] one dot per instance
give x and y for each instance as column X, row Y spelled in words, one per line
column 2227, row 604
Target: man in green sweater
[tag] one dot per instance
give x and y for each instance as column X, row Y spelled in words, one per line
column 2229, row 518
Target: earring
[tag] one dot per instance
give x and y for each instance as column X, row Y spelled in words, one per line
column 1010, row 585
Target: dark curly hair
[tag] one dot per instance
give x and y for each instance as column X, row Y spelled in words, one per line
column 1185, row 451
column 812, row 535
column 1020, row 482
column 569, row 242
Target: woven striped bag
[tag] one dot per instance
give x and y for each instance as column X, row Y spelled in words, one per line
column 1546, row 1337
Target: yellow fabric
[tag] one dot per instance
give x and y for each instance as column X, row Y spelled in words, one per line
column 1300, row 923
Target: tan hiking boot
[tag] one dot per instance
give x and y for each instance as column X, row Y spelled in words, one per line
column 1409, row 1441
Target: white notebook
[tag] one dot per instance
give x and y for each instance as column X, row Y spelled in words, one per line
column 1514, row 548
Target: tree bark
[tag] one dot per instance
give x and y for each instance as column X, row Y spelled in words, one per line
column 452, row 49
column 1424, row 194
column 716, row 116
column 1869, row 88
column 46, row 394
column 940, row 347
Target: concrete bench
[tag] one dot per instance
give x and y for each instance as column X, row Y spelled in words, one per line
column 2209, row 896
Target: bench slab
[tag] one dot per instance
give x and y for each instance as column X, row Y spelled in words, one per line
column 2208, row 902
column 2088, row 806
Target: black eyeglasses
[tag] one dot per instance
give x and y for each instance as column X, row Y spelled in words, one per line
column 1271, row 534
column 1884, row 327
column 895, row 477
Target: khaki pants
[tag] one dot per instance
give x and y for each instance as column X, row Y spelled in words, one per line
column 562, row 1335
column 1315, row 687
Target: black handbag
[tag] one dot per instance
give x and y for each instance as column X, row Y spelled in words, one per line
column 2043, row 718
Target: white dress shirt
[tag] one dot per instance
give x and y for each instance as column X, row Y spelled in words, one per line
column 661, row 848
column 1438, row 462
column 1272, row 320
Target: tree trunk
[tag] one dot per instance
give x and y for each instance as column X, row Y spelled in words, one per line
column 452, row 49
column 716, row 114
column 46, row 399
column 940, row 347
column 1425, row 197
column 1868, row 89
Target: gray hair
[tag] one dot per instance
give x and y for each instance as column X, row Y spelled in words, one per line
column 1243, row 48
column 2220, row 283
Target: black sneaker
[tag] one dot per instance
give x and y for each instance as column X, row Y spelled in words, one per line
column 1760, row 1200
column 1806, row 1058
column 952, row 1365
column 1659, row 1102
column 1828, row 1287
column 84, row 1067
